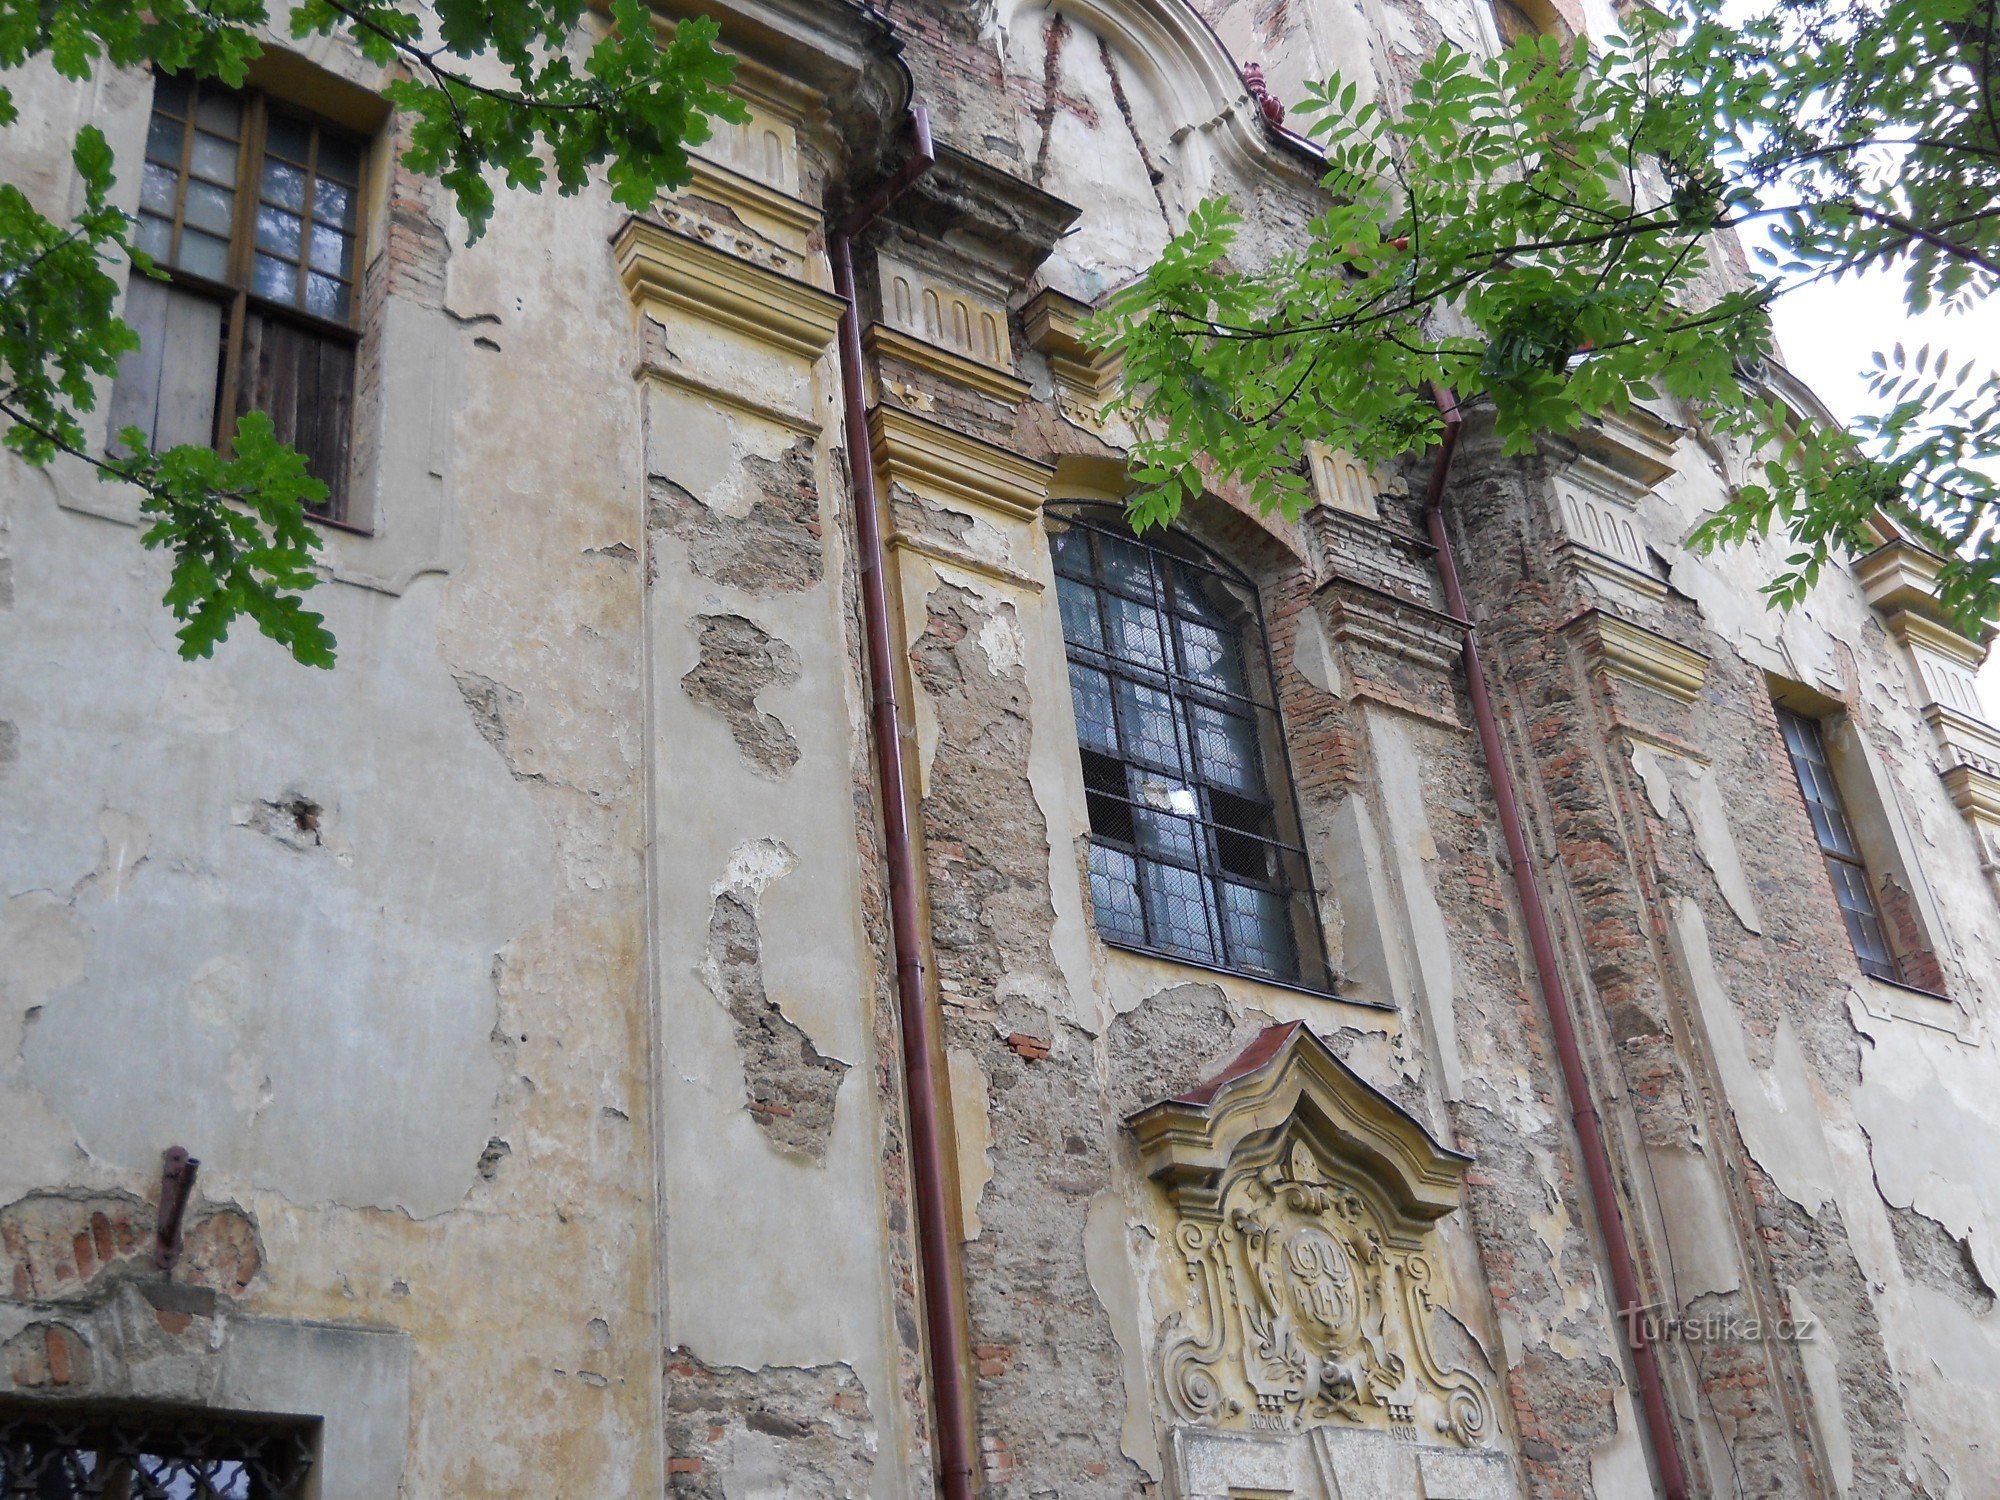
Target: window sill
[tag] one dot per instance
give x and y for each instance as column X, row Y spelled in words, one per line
column 347, row 527
column 1888, row 1000
column 1247, row 976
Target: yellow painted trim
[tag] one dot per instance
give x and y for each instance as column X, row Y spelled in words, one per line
column 1975, row 793
column 946, row 364
column 749, row 197
column 682, row 380
column 1903, row 577
column 1639, row 655
column 942, row 556
column 1188, row 1144
column 1965, row 738
column 1913, row 629
column 939, row 461
column 666, row 272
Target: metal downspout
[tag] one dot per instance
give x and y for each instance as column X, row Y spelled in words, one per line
column 1562, row 1024
column 944, row 1307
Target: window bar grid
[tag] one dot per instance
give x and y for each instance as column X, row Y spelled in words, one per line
column 1174, row 869
column 91, row 1452
column 1845, row 871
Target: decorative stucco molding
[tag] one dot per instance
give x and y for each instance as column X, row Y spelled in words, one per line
column 1900, row 575
column 1085, row 379
column 1343, row 482
column 1618, row 648
column 882, row 341
column 1306, row 1206
column 931, row 459
column 1900, row 579
column 1619, row 459
column 664, row 270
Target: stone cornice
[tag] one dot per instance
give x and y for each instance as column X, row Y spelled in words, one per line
column 1967, row 741
column 1621, row 649
column 1361, row 614
column 1288, row 1077
column 1902, row 577
column 836, row 66
column 977, row 222
column 664, row 270
column 1975, row 793
column 1085, row 378
column 934, row 359
column 930, row 458
column 1913, row 629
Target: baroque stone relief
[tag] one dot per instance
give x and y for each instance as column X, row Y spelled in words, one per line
column 1306, row 1207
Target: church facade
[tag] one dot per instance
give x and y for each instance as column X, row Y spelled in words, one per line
column 796, row 956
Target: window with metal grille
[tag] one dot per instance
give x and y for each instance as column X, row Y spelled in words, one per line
column 52, row 1451
column 253, row 210
column 1195, row 848
column 1844, row 866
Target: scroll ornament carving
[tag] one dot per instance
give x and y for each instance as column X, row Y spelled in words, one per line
column 1312, row 1288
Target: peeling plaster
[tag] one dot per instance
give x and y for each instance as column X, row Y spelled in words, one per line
column 1111, row 1279
column 1618, row 1467
column 1920, row 1087
column 1776, row 1109
column 1821, row 1357
column 1399, row 774
column 972, row 1125
column 1701, row 799
column 222, row 1002
column 1692, row 1210
column 1669, row 779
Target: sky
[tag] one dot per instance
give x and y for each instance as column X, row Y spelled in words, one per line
column 1826, row 333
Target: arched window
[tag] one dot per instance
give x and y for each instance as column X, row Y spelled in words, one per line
column 1194, row 833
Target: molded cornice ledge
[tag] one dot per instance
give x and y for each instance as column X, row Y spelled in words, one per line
column 1900, row 579
column 842, row 53
column 931, row 459
column 663, row 270
column 1618, row 648
column 1288, row 1080
column 982, row 221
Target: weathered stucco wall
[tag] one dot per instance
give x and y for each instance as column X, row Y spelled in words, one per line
column 525, row 984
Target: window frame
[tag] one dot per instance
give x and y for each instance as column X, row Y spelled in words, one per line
column 1811, row 731
column 277, row 1457
column 235, row 293
column 1294, row 886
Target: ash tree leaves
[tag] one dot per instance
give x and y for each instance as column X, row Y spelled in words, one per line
column 634, row 105
column 490, row 89
column 1541, row 233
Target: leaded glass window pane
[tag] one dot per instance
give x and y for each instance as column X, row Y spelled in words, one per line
column 1183, row 769
column 1844, row 869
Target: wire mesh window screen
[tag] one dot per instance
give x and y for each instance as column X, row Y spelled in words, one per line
column 50, row 1452
column 1195, row 848
column 1844, row 867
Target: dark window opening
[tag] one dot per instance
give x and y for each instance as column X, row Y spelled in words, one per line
column 1844, row 866
column 254, row 213
column 1195, row 846
column 61, row 1451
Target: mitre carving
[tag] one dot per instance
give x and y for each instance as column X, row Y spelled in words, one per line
column 1306, row 1206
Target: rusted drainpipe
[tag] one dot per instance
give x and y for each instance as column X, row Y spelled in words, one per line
column 944, row 1310
column 1562, row 1024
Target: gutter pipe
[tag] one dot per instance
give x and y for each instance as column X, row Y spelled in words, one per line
column 945, row 1324
column 1562, row 1022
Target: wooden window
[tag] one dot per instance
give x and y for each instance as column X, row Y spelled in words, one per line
column 1844, row 865
column 1194, row 835
column 253, row 209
